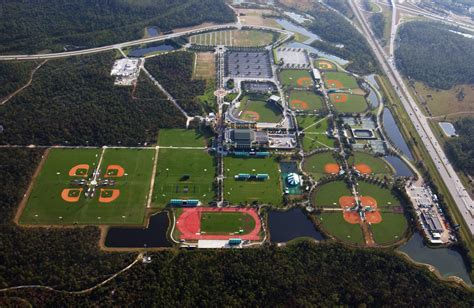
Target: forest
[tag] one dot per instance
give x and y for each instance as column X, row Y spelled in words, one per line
column 461, row 149
column 377, row 23
column 14, row 75
column 336, row 30
column 73, row 101
column 174, row 72
column 342, row 6
column 451, row 55
column 32, row 26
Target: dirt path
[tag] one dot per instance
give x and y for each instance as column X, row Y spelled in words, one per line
column 152, row 180
column 32, row 74
column 368, row 236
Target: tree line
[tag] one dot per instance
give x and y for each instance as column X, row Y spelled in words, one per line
column 461, row 149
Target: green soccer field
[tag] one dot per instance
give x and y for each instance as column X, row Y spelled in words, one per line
column 305, row 101
column 296, row 78
column 391, row 229
column 314, row 164
column 340, row 80
column 181, row 137
column 334, row 224
column 267, row 112
column 378, row 165
column 354, row 103
column 312, row 141
column 183, row 174
column 46, row 206
column 226, row 222
column 266, row 192
column 328, row 194
column 384, row 196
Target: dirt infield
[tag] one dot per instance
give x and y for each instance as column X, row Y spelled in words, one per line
column 71, row 195
column 331, row 168
column 339, row 98
column 108, row 195
column 115, row 171
column 79, row 170
column 347, row 202
column 189, row 224
column 324, row 65
column 304, row 81
column 250, row 116
column 363, row 168
column 299, row 104
column 333, row 83
column 373, row 217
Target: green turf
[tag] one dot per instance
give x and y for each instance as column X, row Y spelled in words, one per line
column 354, row 103
column 289, row 78
column 334, row 224
column 307, row 123
column 268, row 112
column 183, row 174
column 314, row 164
column 314, row 101
column 45, row 204
column 312, row 141
column 226, row 222
column 383, row 196
column 266, row 192
column 347, row 80
column 391, row 229
column 328, row 194
column 181, row 137
column 377, row 164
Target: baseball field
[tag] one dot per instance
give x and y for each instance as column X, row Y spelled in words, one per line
column 55, row 200
column 384, row 196
column 306, row 101
column 391, row 229
column 325, row 65
column 259, row 111
column 340, row 80
column 328, row 195
column 320, row 165
column 369, row 164
column 348, row 103
column 296, row 78
column 334, row 224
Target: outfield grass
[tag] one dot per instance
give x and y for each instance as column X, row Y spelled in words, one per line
column 391, row 229
column 268, row 112
column 354, row 103
column 45, row 205
column 328, row 194
column 267, row 192
column 314, row 164
column 334, row 224
column 181, row 137
column 384, row 196
column 313, row 101
column 289, row 78
column 226, row 222
column 183, row 174
column 377, row 164
column 347, row 80
column 312, row 141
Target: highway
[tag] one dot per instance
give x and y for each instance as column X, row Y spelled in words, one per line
column 461, row 198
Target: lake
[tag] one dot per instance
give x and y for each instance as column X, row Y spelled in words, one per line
column 401, row 169
column 286, row 226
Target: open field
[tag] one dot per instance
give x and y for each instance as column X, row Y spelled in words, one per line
column 295, row 78
column 181, row 137
column 259, row 111
column 334, row 224
column 256, row 17
column 305, row 101
column 312, row 141
column 267, row 192
column 391, row 229
column 312, row 123
column 242, row 38
column 55, row 201
column 204, row 66
column 383, row 196
column 328, row 195
column 325, row 65
column 225, row 223
column 339, row 80
column 320, row 165
column 348, row 103
column 377, row 165
column 183, row 174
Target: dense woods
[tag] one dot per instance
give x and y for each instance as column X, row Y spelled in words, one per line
column 335, row 29
column 342, row 6
column 431, row 53
column 31, row 26
column 14, row 75
column 377, row 23
column 174, row 72
column 73, row 101
column 461, row 149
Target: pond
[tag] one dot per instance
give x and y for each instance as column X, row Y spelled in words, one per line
column 321, row 54
column 447, row 261
column 142, row 51
column 152, row 31
column 152, row 236
column 394, row 133
column 286, row 226
column 371, row 79
column 288, row 25
column 448, row 129
column 401, row 169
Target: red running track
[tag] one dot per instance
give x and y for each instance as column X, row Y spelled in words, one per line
column 189, row 224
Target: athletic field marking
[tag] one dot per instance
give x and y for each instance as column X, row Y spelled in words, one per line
column 315, row 123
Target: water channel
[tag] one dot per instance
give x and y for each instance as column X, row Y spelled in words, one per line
column 394, row 133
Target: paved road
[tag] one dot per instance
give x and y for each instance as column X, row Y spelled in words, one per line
column 462, row 200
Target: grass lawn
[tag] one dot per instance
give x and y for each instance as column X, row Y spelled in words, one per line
column 46, row 206
column 181, row 137
column 334, row 224
column 305, row 121
column 295, row 78
column 243, row 38
column 267, row 112
column 314, row 164
column 183, row 174
column 328, row 194
column 225, row 222
column 208, row 99
column 313, row 141
column 204, row 66
column 267, row 192
column 342, row 80
column 354, row 103
column 305, row 101
column 325, row 65
column 391, row 229
column 378, row 165
column 384, row 196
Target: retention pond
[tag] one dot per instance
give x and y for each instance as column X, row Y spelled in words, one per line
column 292, row 224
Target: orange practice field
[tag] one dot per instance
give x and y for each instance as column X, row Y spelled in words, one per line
column 331, row 168
column 363, row 168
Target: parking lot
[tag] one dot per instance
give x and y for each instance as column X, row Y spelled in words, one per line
column 243, row 64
